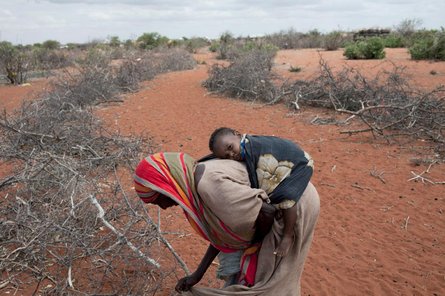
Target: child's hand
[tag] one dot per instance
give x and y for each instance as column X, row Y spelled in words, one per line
column 284, row 246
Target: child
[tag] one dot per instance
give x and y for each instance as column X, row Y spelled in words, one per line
column 278, row 166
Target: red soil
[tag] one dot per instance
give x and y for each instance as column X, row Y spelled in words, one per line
column 375, row 236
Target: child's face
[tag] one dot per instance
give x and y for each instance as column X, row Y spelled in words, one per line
column 228, row 147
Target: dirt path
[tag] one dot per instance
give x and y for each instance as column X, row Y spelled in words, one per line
column 375, row 236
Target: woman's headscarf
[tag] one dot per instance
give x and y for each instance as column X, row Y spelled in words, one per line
column 171, row 174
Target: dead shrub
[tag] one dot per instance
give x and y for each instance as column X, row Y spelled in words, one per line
column 139, row 66
column 50, row 227
column 48, row 59
column 388, row 105
column 249, row 77
column 171, row 59
column 67, row 225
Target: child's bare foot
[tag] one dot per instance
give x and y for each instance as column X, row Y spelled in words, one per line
column 284, row 246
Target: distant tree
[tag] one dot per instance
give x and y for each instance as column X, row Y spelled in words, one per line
column 93, row 43
column 151, row 40
column 192, row 44
column 314, row 32
column 333, row 40
column 226, row 37
column 72, row 46
column 129, row 44
column 226, row 41
column 114, row 41
column 407, row 27
column 14, row 62
column 51, row 44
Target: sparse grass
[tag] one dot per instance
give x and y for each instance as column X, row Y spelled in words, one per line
column 295, row 69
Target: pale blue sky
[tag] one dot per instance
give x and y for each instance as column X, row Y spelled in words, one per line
column 30, row 21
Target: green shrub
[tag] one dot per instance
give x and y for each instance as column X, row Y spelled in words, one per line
column 419, row 36
column 214, row 46
column 15, row 62
column 193, row 44
column 372, row 48
column 151, row 40
column 393, row 41
column 51, row 44
column 430, row 47
column 421, row 50
column 352, row 51
column 114, row 41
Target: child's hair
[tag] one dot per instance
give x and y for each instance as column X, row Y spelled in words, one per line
column 219, row 132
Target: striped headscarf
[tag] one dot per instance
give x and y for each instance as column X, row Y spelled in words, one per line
column 172, row 175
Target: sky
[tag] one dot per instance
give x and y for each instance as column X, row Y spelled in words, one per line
column 80, row 21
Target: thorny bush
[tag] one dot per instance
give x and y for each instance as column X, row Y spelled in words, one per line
column 248, row 77
column 388, row 105
column 67, row 224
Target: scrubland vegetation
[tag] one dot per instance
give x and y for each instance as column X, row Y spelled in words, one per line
column 65, row 209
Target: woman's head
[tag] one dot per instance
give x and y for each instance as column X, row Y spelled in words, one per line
column 225, row 143
column 164, row 179
column 151, row 196
column 164, row 202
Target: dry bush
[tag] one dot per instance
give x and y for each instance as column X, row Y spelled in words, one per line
column 249, row 77
column 89, row 83
column 66, row 223
column 48, row 59
column 95, row 80
column 334, row 40
column 139, row 66
column 131, row 72
column 387, row 104
column 173, row 59
column 292, row 39
column 65, row 161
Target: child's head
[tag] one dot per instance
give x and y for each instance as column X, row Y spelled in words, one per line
column 225, row 143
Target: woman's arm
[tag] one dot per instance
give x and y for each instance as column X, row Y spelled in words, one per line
column 264, row 221
column 289, row 218
column 187, row 282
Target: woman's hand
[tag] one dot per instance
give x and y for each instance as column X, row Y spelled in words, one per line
column 186, row 283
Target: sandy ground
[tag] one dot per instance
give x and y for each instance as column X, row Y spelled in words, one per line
column 375, row 236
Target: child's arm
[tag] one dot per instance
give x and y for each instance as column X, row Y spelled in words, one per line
column 289, row 218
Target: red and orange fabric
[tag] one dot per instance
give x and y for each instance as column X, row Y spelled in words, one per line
column 171, row 175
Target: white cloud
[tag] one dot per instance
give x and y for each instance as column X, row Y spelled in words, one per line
column 82, row 20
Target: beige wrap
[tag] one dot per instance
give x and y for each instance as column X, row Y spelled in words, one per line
column 225, row 189
column 275, row 275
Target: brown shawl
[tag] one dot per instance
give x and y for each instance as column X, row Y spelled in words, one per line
column 276, row 275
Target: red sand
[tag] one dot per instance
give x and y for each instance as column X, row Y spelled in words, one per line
column 374, row 237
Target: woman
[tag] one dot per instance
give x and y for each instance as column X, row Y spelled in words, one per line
column 226, row 212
